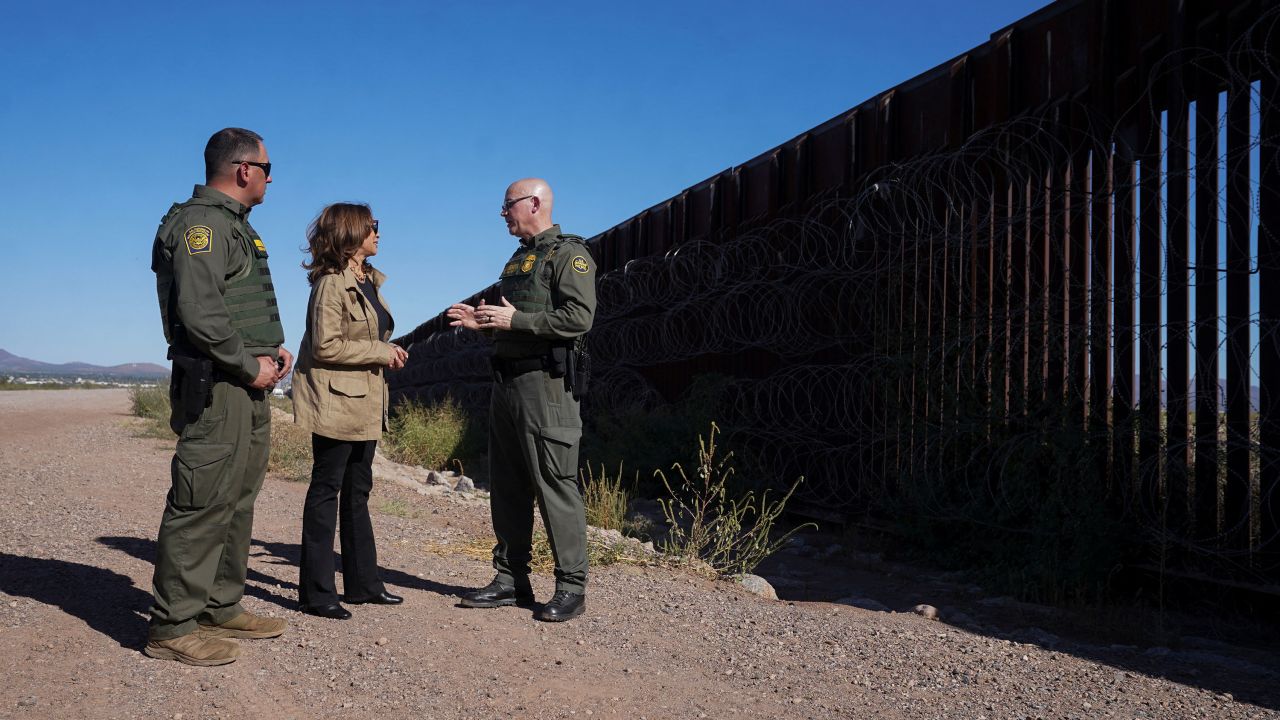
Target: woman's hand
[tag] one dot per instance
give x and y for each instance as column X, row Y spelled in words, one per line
column 399, row 356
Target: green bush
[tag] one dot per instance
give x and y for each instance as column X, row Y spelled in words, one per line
column 431, row 435
column 149, row 401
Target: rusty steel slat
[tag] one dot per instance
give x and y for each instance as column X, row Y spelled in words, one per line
column 1056, row 292
column 1177, row 292
column 1149, row 311
column 1100, row 293
column 1205, row 496
column 1017, row 241
column 1269, row 315
column 1122, row 437
column 1236, row 520
column 1077, row 280
column 1036, row 202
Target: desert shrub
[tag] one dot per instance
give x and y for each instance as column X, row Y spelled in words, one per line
column 149, row 401
column 605, row 499
column 710, row 522
column 431, row 435
column 290, row 451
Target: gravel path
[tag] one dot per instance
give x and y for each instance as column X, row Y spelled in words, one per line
column 84, row 495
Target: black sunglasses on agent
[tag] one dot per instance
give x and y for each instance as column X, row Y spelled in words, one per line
column 506, row 204
column 266, row 167
column 374, row 227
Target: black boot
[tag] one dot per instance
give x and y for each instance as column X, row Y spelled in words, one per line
column 564, row 605
column 499, row 594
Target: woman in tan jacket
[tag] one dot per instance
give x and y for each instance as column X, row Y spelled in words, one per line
column 340, row 395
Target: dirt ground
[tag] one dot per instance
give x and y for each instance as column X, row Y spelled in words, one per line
column 83, row 496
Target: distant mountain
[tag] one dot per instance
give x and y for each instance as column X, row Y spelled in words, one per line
column 10, row 363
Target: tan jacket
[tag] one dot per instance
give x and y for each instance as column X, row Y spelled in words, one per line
column 339, row 383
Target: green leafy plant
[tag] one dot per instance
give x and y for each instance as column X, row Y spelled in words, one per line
column 431, row 435
column 732, row 533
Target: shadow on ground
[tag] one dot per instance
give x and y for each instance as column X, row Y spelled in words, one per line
column 290, row 554
column 145, row 549
column 105, row 600
column 1197, row 655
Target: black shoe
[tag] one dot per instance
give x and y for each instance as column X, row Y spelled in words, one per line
column 333, row 611
column 564, row 605
column 382, row 598
column 498, row 594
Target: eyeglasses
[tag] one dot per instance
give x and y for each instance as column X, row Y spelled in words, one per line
column 374, row 226
column 266, row 167
column 506, row 204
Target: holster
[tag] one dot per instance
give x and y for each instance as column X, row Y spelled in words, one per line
column 190, row 389
column 577, row 368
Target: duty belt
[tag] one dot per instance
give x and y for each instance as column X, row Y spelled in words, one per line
column 506, row 368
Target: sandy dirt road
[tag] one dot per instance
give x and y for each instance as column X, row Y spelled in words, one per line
column 83, row 493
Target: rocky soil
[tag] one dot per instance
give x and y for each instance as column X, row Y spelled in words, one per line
column 83, row 496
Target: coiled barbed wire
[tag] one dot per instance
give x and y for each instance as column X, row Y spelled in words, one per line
column 911, row 343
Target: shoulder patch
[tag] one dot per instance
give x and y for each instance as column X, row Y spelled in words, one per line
column 580, row 264
column 527, row 265
column 257, row 242
column 199, row 239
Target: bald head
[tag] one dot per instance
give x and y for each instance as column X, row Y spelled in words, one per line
column 527, row 207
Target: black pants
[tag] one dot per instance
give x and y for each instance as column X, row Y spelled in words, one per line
column 341, row 478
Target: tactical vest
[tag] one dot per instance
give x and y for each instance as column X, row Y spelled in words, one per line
column 526, row 278
column 250, row 295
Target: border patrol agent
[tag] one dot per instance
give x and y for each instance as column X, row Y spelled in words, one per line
column 548, row 303
column 220, row 318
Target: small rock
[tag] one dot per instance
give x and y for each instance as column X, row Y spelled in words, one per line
column 27, row 702
column 864, row 603
column 758, row 585
column 382, row 641
column 465, row 484
column 1228, row 697
column 434, row 478
column 927, row 612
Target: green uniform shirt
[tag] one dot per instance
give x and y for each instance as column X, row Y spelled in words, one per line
column 570, row 278
column 201, row 246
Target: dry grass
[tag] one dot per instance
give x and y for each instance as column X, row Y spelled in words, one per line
column 290, row 451
column 429, row 436
column 599, row 552
column 605, row 499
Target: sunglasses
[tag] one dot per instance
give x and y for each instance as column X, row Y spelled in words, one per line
column 374, row 226
column 506, row 204
column 266, row 167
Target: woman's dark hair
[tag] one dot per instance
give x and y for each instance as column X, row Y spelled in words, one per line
column 334, row 236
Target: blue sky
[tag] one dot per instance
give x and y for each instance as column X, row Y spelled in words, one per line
column 424, row 110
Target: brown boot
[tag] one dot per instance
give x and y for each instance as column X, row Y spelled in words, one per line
column 246, row 625
column 194, row 649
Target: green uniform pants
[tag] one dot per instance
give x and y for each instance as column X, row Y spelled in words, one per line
column 534, row 431
column 202, row 552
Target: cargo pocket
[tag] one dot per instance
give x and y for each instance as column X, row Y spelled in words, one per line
column 349, row 385
column 558, row 451
column 197, row 473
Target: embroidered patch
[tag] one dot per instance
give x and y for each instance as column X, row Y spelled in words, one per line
column 257, row 242
column 580, row 265
column 527, row 265
column 199, row 239
column 511, row 268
